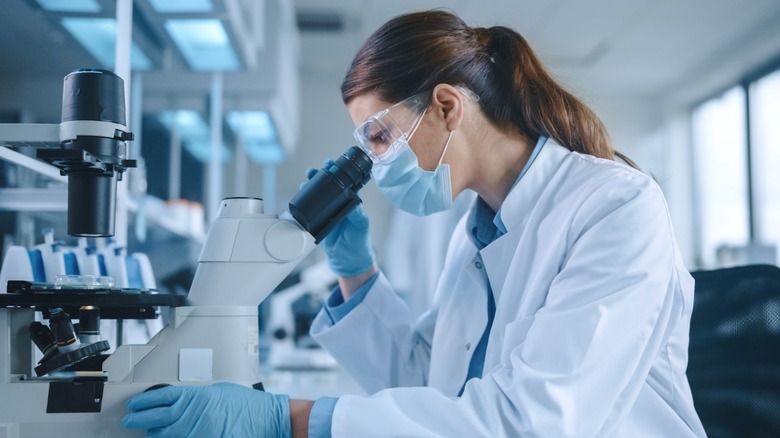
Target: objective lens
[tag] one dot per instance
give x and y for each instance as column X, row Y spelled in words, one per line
column 62, row 328
column 89, row 324
column 43, row 339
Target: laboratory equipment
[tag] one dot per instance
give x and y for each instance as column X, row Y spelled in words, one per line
column 291, row 312
column 214, row 337
column 89, row 146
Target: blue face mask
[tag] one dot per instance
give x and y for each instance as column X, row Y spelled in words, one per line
column 409, row 187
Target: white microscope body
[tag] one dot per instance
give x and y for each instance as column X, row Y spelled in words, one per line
column 214, row 338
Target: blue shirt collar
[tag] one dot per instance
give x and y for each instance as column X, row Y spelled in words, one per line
column 485, row 225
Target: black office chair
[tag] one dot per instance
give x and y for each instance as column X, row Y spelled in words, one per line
column 734, row 354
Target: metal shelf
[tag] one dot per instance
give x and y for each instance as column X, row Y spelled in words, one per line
column 38, row 166
column 55, row 198
column 34, row 200
column 155, row 216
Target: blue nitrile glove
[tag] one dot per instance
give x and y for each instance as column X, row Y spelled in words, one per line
column 222, row 409
column 348, row 245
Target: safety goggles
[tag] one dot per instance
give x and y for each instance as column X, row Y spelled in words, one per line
column 384, row 133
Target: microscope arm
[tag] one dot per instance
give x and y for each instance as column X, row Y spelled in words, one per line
column 246, row 255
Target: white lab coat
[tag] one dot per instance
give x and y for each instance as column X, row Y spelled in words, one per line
column 590, row 336
column 415, row 249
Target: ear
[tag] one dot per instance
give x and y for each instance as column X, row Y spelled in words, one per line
column 447, row 102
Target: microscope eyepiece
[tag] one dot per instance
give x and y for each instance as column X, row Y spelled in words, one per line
column 331, row 193
column 355, row 165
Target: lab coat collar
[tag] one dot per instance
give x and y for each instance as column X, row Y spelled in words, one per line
column 516, row 209
column 522, row 197
column 534, row 153
column 483, row 225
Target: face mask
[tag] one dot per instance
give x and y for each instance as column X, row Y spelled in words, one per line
column 409, row 187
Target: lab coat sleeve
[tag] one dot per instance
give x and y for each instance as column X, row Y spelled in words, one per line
column 321, row 417
column 335, row 306
column 377, row 342
column 575, row 367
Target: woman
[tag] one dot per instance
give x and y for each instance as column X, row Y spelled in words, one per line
column 564, row 306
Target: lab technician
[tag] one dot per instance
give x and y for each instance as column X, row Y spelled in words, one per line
column 563, row 307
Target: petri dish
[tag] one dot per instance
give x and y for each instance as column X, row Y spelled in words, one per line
column 83, row 282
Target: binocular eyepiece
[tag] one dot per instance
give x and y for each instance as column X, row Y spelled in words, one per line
column 331, row 193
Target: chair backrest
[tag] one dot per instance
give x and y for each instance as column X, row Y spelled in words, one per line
column 734, row 353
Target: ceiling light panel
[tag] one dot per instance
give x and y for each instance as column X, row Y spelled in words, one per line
column 185, row 6
column 194, row 133
column 204, row 43
column 70, row 5
column 189, row 124
column 264, row 153
column 98, row 37
column 252, row 125
column 258, row 135
column 201, row 150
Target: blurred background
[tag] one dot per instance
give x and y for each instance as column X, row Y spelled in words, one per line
column 240, row 97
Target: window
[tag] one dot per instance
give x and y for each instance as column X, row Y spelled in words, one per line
column 720, row 157
column 765, row 151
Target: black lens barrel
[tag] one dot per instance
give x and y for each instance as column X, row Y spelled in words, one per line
column 331, row 193
column 91, row 204
column 92, row 94
column 89, row 324
column 42, row 337
column 355, row 165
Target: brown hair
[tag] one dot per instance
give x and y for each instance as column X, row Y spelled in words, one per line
column 413, row 53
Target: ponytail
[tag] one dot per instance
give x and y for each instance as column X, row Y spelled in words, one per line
column 413, row 53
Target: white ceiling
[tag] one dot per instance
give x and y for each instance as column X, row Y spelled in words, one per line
column 627, row 47
column 632, row 48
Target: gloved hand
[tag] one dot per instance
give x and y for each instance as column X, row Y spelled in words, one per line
column 222, row 409
column 348, row 245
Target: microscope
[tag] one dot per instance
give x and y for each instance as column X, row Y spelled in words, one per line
column 212, row 336
column 88, row 146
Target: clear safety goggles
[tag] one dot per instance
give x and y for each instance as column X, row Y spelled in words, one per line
column 384, row 133
column 380, row 136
